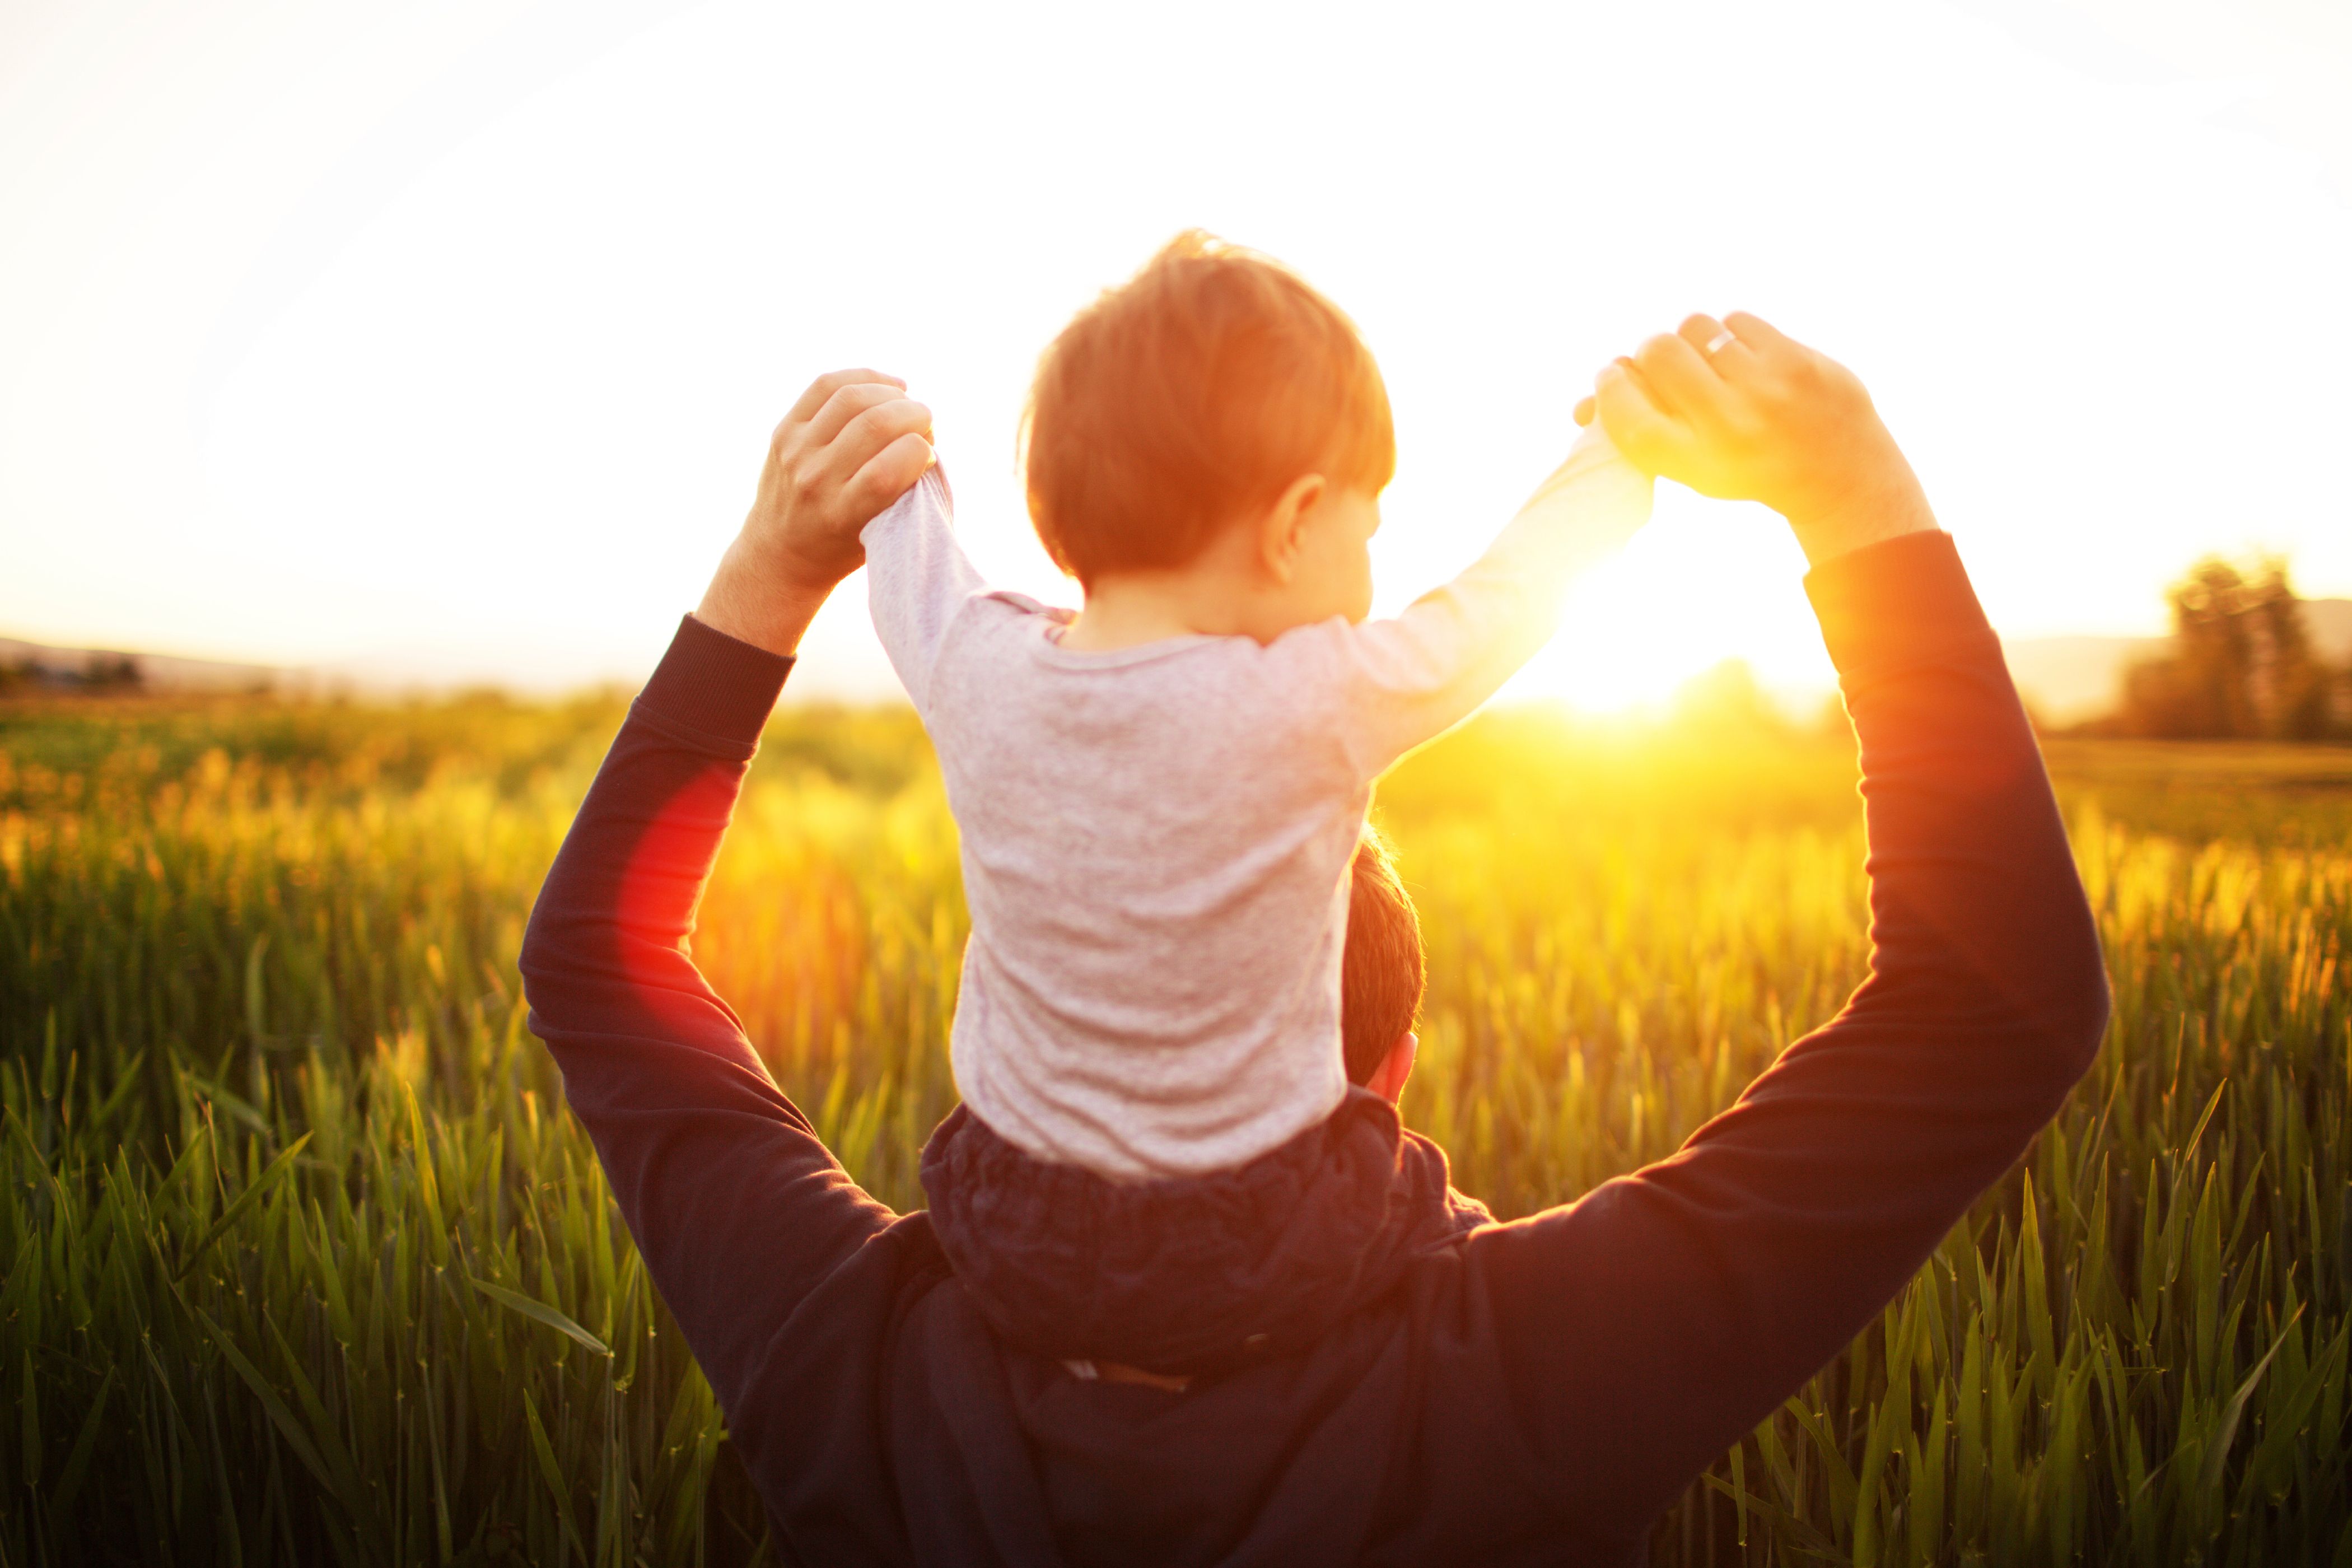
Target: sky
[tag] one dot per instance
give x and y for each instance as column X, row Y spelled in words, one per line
column 441, row 342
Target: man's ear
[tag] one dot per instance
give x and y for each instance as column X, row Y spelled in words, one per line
column 1388, row 1078
column 1282, row 534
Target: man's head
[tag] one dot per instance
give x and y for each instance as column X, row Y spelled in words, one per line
column 1381, row 973
column 1214, row 405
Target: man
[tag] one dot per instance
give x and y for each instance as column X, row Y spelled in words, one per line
column 1531, row 1392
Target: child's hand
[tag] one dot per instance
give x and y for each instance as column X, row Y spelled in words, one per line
column 1736, row 409
column 851, row 446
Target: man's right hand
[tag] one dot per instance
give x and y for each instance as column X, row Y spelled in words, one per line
column 1739, row 410
column 850, row 447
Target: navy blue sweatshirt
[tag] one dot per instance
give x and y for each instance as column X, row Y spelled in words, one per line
column 1538, row 1392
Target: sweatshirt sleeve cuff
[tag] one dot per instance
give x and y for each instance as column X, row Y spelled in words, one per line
column 1896, row 602
column 714, row 685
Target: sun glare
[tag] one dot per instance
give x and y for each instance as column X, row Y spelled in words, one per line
column 548, row 313
column 1703, row 583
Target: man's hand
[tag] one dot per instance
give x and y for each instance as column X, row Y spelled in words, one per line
column 1738, row 410
column 850, row 447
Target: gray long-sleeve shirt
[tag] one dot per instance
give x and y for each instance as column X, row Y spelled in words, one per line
column 1156, row 839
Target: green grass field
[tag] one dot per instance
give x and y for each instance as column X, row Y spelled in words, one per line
column 305, row 1262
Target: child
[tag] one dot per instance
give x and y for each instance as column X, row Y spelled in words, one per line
column 1160, row 798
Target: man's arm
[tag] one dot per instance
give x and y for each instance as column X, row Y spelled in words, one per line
column 1646, row 1328
column 737, row 1207
column 1641, row 1331
column 852, row 444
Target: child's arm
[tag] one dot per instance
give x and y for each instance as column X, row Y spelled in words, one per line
column 1407, row 680
column 916, row 579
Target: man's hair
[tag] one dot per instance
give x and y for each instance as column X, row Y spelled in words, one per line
column 1190, row 397
column 1381, row 971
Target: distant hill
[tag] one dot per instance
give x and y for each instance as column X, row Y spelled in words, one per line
column 72, row 668
column 2068, row 680
column 2065, row 679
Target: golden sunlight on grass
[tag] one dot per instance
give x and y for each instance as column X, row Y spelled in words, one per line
column 303, row 1245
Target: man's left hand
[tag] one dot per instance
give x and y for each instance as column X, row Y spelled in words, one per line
column 850, row 447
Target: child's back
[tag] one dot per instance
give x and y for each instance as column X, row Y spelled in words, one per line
column 1156, row 841
column 1158, row 800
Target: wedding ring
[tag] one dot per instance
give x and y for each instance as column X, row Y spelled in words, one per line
column 1715, row 344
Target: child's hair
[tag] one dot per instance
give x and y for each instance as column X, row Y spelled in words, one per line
column 1189, row 396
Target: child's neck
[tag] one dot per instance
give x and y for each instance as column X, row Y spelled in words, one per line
column 1132, row 608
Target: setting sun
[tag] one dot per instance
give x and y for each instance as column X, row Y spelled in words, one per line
column 441, row 344
column 1641, row 626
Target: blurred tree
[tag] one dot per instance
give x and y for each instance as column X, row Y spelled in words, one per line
column 2240, row 665
column 112, row 672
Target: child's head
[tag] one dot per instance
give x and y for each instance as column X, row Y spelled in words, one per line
column 1195, row 397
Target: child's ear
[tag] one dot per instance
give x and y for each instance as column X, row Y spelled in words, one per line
column 1282, row 537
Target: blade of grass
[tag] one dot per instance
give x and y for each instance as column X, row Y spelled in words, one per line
column 2217, row 1454
column 245, row 1200
column 540, row 1312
